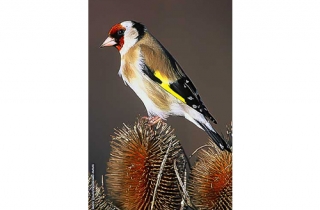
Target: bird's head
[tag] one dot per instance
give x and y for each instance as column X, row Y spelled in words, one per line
column 124, row 35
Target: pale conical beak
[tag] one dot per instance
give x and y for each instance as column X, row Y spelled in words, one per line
column 108, row 42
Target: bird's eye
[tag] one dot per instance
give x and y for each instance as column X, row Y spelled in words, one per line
column 121, row 32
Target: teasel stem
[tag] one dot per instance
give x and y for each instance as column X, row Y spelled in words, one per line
column 160, row 174
column 185, row 194
column 184, row 181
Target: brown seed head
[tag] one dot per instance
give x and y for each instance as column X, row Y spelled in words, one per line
column 210, row 183
column 135, row 159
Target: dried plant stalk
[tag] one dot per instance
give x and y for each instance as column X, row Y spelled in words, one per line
column 135, row 159
column 160, row 175
column 183, row 191
column 228, row 135
column 210, row 183
column 98, row 201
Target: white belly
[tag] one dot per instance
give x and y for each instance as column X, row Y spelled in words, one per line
column 152, row 108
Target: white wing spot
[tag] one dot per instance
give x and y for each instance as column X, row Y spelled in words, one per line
column 190, row 98
column 194, row 106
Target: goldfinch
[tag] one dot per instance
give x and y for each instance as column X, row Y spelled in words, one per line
column 157, row 78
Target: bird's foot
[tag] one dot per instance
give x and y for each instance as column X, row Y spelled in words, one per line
column 152, row 120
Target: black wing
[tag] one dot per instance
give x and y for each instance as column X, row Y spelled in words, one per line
column 184, row 88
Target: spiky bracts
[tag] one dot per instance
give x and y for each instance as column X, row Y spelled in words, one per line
column 136, row 157
column 210, row 183
column 97, row 197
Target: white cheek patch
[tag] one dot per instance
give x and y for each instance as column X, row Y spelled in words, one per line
column 128, row 43
column 130, row 37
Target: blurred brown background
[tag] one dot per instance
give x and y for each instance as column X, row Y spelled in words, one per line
column 199, row 36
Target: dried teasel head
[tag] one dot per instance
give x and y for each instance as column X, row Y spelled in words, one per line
column 135, row 160
column 210, row 183
column 97, row 197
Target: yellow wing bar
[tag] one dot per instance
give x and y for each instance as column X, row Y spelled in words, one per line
column 165, row 85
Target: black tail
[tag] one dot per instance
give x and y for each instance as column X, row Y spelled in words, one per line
column 217, row 139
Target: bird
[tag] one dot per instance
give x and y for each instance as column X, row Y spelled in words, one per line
column 158, row 80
